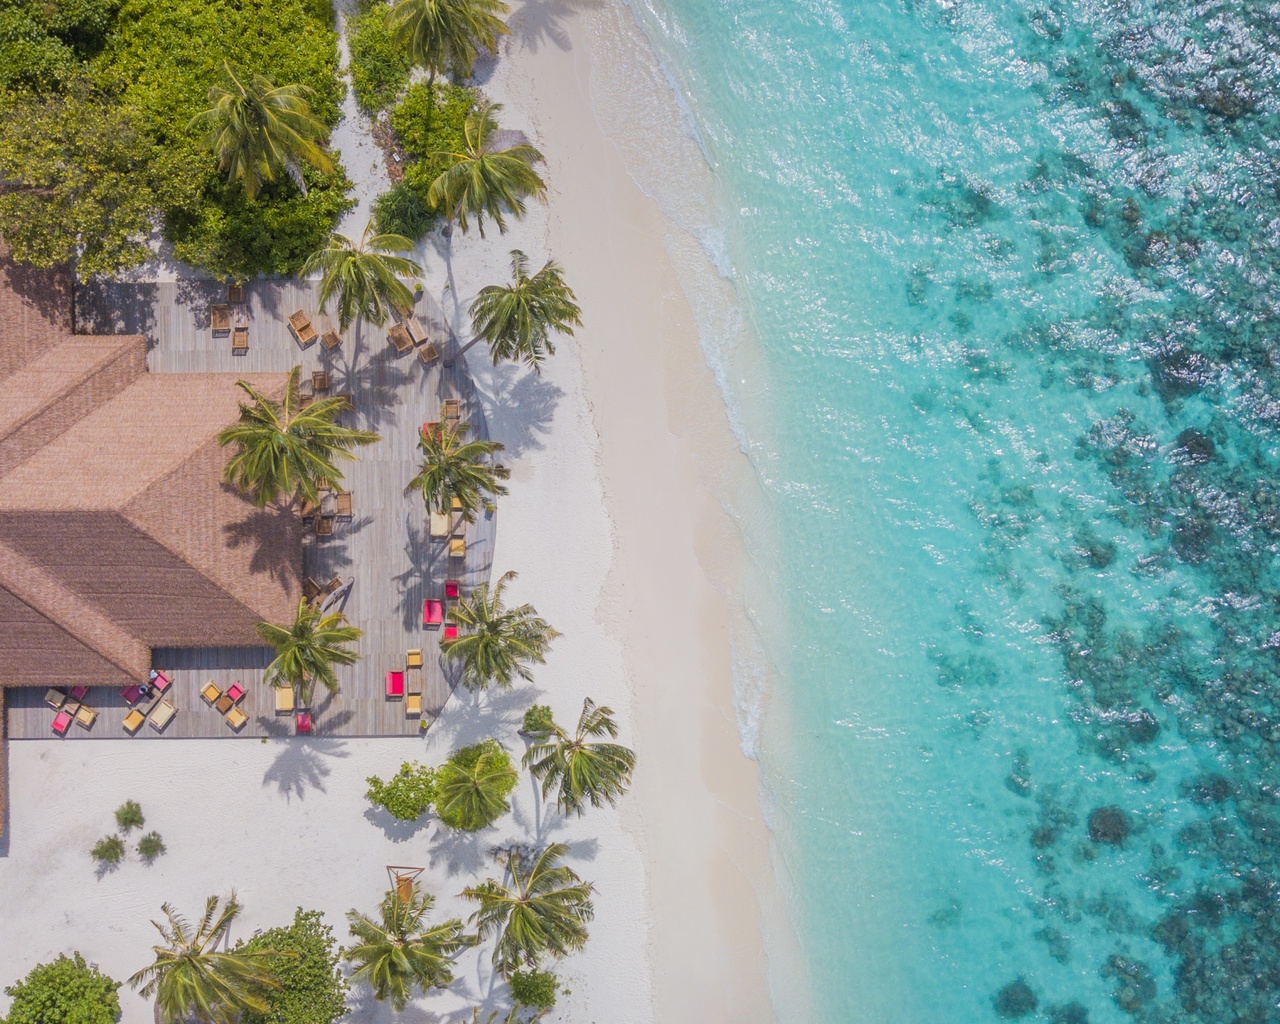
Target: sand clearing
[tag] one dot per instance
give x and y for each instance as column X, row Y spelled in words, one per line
column 605, row 523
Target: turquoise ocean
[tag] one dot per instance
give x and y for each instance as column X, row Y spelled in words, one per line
column 1013, row 267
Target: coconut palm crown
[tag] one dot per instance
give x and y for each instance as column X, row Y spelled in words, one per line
column 440, row 36
column 307, row 651
column 283, row 451
column 517, row 319
column 544, row 911
column 584, row 771
column 496, row 644
column 482, row 180
column 399, row 952
column 454, row 468
column 258, row 131
column 364, row 277
column 192, row 980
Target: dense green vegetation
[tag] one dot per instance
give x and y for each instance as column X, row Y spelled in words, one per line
column 108, row 851
column 66, row 991
column 304, row 960
column 534, row 988
column 429, row 120
column 407, row 794
column 97, row 99
column 379, row 68
column 473, row 785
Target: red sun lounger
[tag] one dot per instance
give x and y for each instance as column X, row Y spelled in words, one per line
column 395, row 685
column 302, row 723
column 78, row 693
column 432, row 613
column 61, row 722
column 451, row 590
column 131, row 694
column 450, row 632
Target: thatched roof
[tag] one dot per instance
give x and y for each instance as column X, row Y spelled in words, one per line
column 116, row 532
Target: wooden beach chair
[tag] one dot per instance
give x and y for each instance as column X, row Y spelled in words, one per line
column 210, row 692
column 223, row 704
column 330, row 339
column 399, row 337
column 324, row 526
column 451, row 412
column 240, row 340
column 220, row 318
column 319, row 381
column 236, row 719
column 302, row 328
column 416, row 331
column 414, row 680
column 342, row 502
column 86, row 716
column 310, row 589
column 235, row 294
column 439, row 524
column 428, row 353
column 162, row 714
column 54, row 697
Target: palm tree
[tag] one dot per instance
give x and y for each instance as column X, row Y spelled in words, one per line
column 307, row 651
column 598, row 773
column 545, row 910
column 364, row 277
column 440, row 36
column 496, row 643
column 482, row 180
column 191, row 979
column 471, row 793
column 517, row 319
column 399, row 952
column 453, row 468
column 257, row 131
column 283, row 451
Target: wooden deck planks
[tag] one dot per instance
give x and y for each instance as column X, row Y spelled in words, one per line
column 385, row 546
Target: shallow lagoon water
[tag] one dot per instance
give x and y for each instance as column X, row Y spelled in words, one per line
column 1013, row 267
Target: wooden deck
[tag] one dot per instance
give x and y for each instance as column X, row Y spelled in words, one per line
column 385, row 547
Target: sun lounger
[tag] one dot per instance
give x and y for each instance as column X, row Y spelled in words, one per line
column 428, row 353
column 395, row 685
column 457, row 547
column 236, row 719
column 450, row 633
column 133, row 721
column 330, row 339
column 86, row 716
column 310, row 589
column 78, row 693
column 414, row 658
column 431, row 428
column 210, row 692
column 452, row 590
column 439, row 524
column 284, row 699
column 220, row 318
column 235, row 692
column 414, row 680
column 324, row 526
column 161, row 715
column 400, row 338
column 235, row 293
column 161, row 682
column 131, row 694
column 223, row 704
column 61, row 723
column 413, row 705
column 300, row 324
column 240, row 340
column 451, row 411
column 455, row 503
column 415, row 329
column 302, row 723
column 343, row 503
column 319, row 381
column 432, row 613
column 54, row 697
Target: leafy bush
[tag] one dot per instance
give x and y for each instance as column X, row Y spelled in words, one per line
column 430, row 119
column 409, row 793
column 538, row 720
column 534, row 988
column 404, row 211
column 151, row 846
column 312, row 989
column 129, row 816
column 379, row 69
column 108, row 851
column 472, row 786
column 66, row 991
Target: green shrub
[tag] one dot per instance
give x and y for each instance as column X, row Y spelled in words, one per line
column 430, row 119
column 472, row 786
column 538, row 720
column 379, row 69
column 403, row 211
column 66, row 991
column 534, row 988
column 409, row 793
column 312, row 989
column 108, row 851
column 129, row 816
column 151, row 846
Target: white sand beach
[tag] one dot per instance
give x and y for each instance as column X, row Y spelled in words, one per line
column 609, row 524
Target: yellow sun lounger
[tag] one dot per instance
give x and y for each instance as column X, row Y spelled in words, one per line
column 284, row 699
column 133, row 721
column 413, row 705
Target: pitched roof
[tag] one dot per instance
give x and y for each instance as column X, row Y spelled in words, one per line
column 116, row 532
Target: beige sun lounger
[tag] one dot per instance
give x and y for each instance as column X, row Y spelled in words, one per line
column 399, row 337
column 54, row 697
column 86, row 716
column 439, row 524
column 302, row 329
column 220, row 318
column 240, row 341
column 457, row 547
column 236, row 719
column 284, row 699
column 161, row 715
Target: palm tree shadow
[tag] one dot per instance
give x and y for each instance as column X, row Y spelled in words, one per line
column 519, row 406
column 462, row 853
column 428, row 569
column 301, row 766
column 541, row 22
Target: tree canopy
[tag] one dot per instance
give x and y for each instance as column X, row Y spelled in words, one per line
column 64, row 991
column 304, row 959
